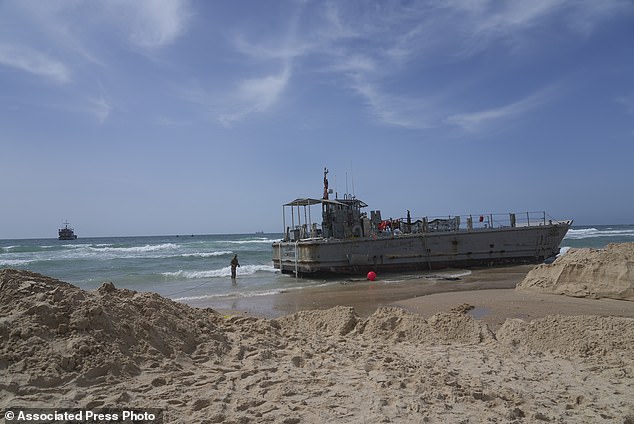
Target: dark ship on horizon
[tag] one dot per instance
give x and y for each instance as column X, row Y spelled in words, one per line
column 66, row 233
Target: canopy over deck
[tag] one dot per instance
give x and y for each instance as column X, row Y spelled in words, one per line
column 307, row 201
column 338, row 209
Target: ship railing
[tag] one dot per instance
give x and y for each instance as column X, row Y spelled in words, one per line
column 471, row 222
column 301, row 223
column 302, row 232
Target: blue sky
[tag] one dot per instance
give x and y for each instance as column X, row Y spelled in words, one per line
column 192, row 117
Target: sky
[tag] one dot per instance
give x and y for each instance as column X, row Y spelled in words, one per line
column 205, row 117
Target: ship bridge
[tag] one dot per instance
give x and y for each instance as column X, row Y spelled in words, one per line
column 340, row 218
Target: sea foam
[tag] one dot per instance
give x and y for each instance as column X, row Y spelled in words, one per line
column 581, row 233
column 222, row 272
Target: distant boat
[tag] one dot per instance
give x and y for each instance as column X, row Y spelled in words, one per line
column 66, row 233
column 259, row 233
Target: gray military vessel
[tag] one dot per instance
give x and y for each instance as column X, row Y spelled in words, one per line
column 66, row 233
column 349, row 241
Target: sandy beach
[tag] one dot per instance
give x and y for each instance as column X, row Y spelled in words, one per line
column 366, row 296
column 491, row 292
column 472, row 350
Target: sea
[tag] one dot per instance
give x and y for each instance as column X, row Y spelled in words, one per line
column 195, row 269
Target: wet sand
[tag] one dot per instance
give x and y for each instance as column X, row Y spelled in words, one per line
column 366, row 296
column 491, row 292
column 493, row 307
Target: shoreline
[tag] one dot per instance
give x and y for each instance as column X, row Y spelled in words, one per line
column 490, row 291
column 366, row 296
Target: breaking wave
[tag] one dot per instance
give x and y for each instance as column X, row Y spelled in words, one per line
column 14, row 262
column 582, row 233
column 252, row 241
column 222, row 272
column 207, row 254
column 245, row 294
column 137, row 249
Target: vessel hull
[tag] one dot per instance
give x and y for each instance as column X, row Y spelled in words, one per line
column 420, row 251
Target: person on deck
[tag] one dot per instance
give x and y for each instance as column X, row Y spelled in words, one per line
column 234, row 265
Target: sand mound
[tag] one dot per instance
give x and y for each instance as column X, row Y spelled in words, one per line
column 452, row 327
column 67, row 334
column 571, row 335
column 390, row 323
column 68, row 348
column 592, row 273
column 339, row 320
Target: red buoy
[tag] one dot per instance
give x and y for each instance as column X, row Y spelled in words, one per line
column 371, row 275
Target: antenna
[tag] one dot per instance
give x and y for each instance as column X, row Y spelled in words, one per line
column 325, row 197
column 352, row 176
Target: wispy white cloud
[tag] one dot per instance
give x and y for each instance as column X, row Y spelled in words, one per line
column 373, row 47
column 65, row 39
column 254, row 95
column 474, row 121
column 285, row 50
column 492, row 22
column 34, row 62
column 352, row 63
column 153, row 24
column 480, row 24
column 263, row 92
column 368, row 48
column 501, row 18
column 336, row 26
column 585, row 15
column 165, row 121
column 627, row 101
column 395, row 110
column 258, row 94
column 100, row 108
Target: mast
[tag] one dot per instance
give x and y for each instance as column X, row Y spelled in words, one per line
column 325, row 184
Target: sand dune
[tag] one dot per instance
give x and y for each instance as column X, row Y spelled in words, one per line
column 65, row 347
column 596, row 273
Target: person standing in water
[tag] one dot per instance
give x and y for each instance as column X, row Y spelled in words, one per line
column 234, row 265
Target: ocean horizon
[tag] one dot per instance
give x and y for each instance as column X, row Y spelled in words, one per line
column 195, row 268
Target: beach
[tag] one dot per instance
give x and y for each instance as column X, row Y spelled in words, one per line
column 478, row 350
column 491, row 292
column 365, row 296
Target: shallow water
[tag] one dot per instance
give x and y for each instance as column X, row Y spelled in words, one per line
column 195, row 268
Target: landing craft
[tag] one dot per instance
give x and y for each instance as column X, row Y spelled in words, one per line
column 348, row 241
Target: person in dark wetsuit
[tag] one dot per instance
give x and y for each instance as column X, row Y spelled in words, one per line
column 234, row 265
